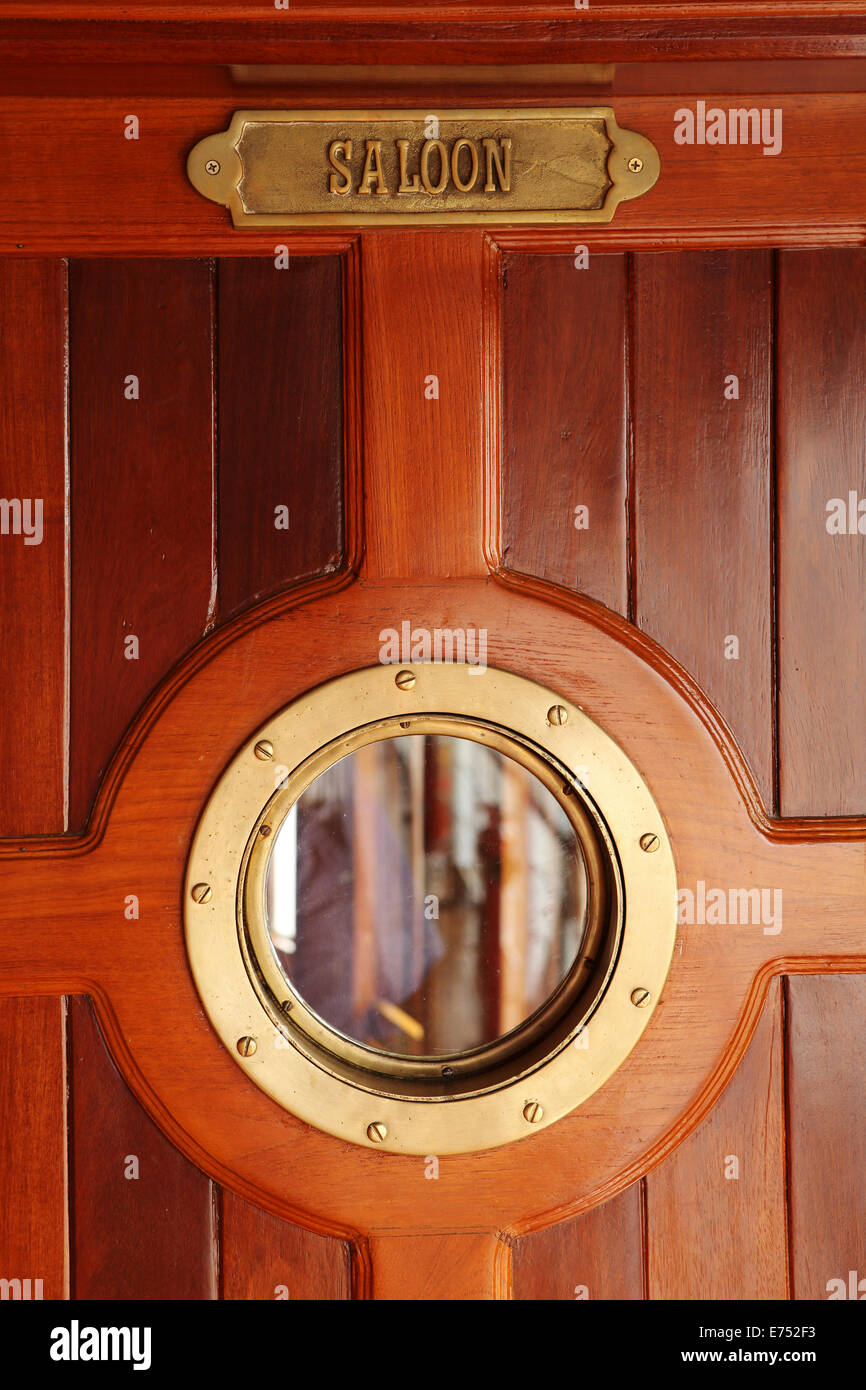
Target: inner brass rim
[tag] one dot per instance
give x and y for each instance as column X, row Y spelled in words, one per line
column 551, row 1027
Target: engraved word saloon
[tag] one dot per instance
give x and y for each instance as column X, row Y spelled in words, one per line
column 409, row 166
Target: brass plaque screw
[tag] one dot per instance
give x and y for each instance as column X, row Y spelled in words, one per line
column 246, row 1046
column 649, row 843
column 640, row 997
column 557, row 714
column 202, row 892
column 212, row 166
column 376, row 1132
column 264, row 750
column 404, row 680
column 532, row 1112
column 635, row 164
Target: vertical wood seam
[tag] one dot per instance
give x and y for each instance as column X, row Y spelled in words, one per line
column 773, row 520
column 644, row 1230
column 67, row 560
column 210, row 616
column 786, row 1131
column 492, row 286
column 352, row 519
column 630, row 459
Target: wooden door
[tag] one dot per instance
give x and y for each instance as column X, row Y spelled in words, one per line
column 635, row 453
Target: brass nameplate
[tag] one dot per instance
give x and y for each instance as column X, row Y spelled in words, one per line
column 387, row 168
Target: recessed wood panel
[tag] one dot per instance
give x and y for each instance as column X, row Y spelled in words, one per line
column 564, row 465
column 598, row 1255
column 822, row 532
column 143, row 1218
column 716, row 1226
column 280, row 424
column 33, row 546
column 262, row 1257
column 33, row 1224
column 702, row 480
column 142, row 467
column 826, row 1064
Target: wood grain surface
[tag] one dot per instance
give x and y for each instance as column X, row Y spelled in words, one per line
column 599, row 1255
column 702, row 480
column 33, row 546
column 143, row 1218
column 565, row 422
column 141, row 493
column 280, row 384
column 827, row 1135
column 716, row 1208
column 822, row 574
column 262, row 1257
column 33, row 1221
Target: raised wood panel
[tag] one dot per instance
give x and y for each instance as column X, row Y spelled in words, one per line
column 822, row 575
column 143, row 1218
column 716, row 1222
column 280, row 424
column 434, row 1268
column 599, row 1255
column 262, row 1257
column 33, row 546
column 826, row 1067
column 422, row 393
column 33, row 1224
column 142, row 471
column 564, row 422
column 702, row 480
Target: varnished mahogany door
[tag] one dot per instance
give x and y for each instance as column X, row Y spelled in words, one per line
column 628, row 473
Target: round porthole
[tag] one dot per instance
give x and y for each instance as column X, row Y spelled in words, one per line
column 430, row 908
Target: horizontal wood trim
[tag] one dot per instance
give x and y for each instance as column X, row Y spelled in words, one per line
column 608, row 33
column 139, row 201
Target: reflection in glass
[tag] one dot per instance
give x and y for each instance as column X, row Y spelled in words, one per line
column 426, row 894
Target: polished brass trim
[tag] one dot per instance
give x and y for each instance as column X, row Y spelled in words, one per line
column 477, row 1069
column 535, row 1074
column 283, row 168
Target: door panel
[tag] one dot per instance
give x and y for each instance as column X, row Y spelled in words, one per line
column 431, row 408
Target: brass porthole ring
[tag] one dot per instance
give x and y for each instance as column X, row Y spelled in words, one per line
column 505, row 1088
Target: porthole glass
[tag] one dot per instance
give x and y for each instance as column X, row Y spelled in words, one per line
column 426, row 895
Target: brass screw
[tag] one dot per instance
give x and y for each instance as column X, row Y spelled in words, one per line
column 640, row 997
column 649, row 843
column 246, row 1046
column 202, row 892
column 404, row 680
column 557, row 714
column 287, row 1006
column 264, row 830
column 532, row 1112
column 376, row 1132
column 635, row 164
column 212, row 166
column 264, row 749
